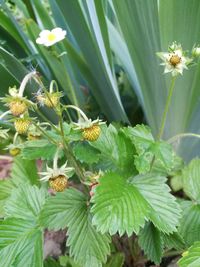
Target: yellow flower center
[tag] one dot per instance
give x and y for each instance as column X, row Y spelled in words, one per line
column 51, row 37
column 174, row 60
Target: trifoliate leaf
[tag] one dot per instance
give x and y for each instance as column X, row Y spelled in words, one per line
column 118, row 206
column 69, row 209
column 164, row 210
column 117, row 151
column 40, row 149
column 85, row 153
column 150, row 241
column 191, row 180
column 190, row 222
column 191, row 258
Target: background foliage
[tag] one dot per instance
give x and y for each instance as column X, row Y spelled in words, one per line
column 139, row 28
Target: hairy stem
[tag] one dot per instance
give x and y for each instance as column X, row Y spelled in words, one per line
column 79, row 111
column 182, row 135
column 45, row 118
column 71, row 89
column 45, row 134
column 69, row 153
column 4, row 114
column 25, row 81
column 164, row 117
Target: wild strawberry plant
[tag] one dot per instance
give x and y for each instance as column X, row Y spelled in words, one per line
column 114, row 188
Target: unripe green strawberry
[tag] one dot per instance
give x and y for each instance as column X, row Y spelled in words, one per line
column 17, row 107
column 52, row 100
column 14, row 151
column 22, row 125
column 58, row 183
column 92, row 133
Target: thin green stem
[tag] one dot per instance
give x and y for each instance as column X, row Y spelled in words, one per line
column 45, row 118
column 79, row 111
column 53, row 82
column 15, row 137
column 71, row 89
column 69, row 153
column 25, row 81
column 55, row 159
column 4, row 114
column 164, row 117
column 182, row 135
column 45, row 134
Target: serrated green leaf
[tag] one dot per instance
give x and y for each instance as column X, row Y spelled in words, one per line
column 150, row 151
column 150, row 241
column 118, row 206
column 191, row 257
column 40, row 149
column 189, row 227
column 141, row 137
column 191, row 181
column 117, row 151
column 21, row 238
column 69, row 209
column 173, row 241
column 164, row 210
column 25, row 202
column 24, row 171
column 6, row 187
column 21, row 244
column 85, row 153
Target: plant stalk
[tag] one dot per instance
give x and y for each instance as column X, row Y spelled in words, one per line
column 69, row 153
column 45, row 134
column 164, row 117
column 182, row 135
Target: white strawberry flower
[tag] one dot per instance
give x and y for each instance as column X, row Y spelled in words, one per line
column 174, row 60
column 49, row 38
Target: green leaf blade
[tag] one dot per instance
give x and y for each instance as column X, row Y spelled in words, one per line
column 118, row 206
column 191, row 181
column 25, row 202
column 69, row 209
column 165, row 212
column 151, row 242
column 191, row 257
